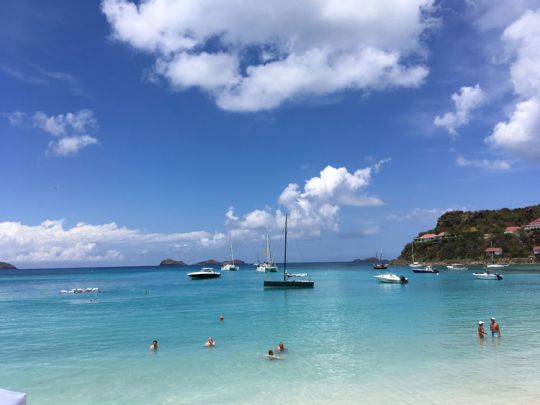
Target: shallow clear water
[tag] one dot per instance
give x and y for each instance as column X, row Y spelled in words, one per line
column 350, row 339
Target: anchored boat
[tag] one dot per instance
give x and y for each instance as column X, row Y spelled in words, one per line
column 391, row 278
column 286, row 282
column 205, row 272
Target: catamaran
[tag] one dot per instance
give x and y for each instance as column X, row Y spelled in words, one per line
column 230, row 266
column 268, row 265
column 286, row 282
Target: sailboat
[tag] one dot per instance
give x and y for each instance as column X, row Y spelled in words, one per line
column 286, row 283
column 380, row 265
column 230, row 266
column 414, row 264
column 268, row 265
column 494, row 265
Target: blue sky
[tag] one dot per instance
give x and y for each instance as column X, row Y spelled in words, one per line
column 133, row 132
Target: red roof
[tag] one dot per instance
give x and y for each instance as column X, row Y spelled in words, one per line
column 489, row 250
column 536, row 248
column 428, row 235
column 512, row 228
column 535, row 222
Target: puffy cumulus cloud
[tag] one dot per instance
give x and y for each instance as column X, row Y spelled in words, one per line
column 495, row 165
column 69, row 123
column 70, row 129
column 254, row 56
column 465, row 101
column 71, row 145
column 313, row 208
column 520, row 134
column 51, row 241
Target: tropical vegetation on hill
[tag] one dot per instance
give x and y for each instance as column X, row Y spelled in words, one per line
column 467, row 235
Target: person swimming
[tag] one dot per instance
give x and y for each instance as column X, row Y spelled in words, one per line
column 481, row 331
column 271, row 355
column 495, row 328
column 281, row 347
column 221, row 318
column 154, row 346
column 210, row 342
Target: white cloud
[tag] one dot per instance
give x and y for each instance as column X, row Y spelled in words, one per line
column 51, row 241
column 520, row 134
column 69, row 123
column 253, row 56
column 71, row 145
column 466, row 101
column 315, row 207
column 494, row 165
column 70, row 129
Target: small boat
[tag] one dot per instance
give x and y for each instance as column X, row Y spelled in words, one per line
column 391, row 278
column 414, row 264
column 496, row 266
column 286, row 283
column 296, row 274
column 380, row 265
column 230, row 266
column 427, row 269
column 205, row 272
column 456, row 266
column 488, row 276
column 268, row 265
column 80, row 290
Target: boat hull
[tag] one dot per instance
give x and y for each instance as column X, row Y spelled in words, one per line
column 425, row 271
column 267, row 269
column 289, row 284
column 487, row 276
column 380, row 266
column 204, row 276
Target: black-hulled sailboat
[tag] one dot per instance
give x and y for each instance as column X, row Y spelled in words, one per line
column 287, row 282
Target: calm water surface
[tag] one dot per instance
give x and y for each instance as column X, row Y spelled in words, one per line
column 351, row 339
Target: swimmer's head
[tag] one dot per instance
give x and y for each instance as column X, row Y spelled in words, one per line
column 270, row 352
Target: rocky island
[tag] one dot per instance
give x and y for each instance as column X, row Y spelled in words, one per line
column 7, row 266
column 173, row 263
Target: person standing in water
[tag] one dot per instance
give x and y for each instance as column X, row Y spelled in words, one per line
column 281, row 347
column 481, row 331
column 495, row 328
column 154, row 346
column 221, row 318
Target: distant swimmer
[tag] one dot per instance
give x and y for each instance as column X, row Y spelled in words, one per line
column 272, row 356
column 210, row 342
column 495, row 328
column 481, row 331
column 154, row 346
column 221, row 318
column 281, row 347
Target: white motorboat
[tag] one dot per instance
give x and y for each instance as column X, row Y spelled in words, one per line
column 456, row 266
column 391, row 278
column 230, row 266
column 496, row 266
column 427, row 269
column 487, row 276
column 80, row 290
column 205, row 272
column 296, row 274
column 268, row 265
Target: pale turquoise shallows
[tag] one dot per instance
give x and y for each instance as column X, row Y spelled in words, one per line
column 351, row 339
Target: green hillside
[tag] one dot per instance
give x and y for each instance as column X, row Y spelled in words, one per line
column 468, row 234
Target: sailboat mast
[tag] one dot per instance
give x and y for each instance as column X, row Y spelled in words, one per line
column 412, row 251
column 285, row 254
column 232, row 252
column 268, row 253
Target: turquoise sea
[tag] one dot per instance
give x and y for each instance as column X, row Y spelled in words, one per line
column 351, row 340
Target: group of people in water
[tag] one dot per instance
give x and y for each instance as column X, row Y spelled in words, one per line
column 493, row 327
column 210, row 342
